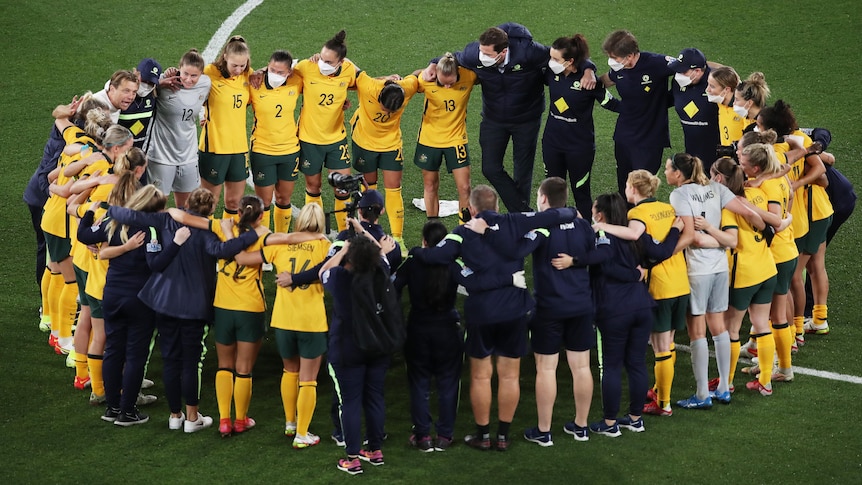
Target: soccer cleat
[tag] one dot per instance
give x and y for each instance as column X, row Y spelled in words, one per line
column 442, row 443
column 131, row 419
column 373, row 457
column 502, row 443
column 422, row 444
column 580, row 433
column 752, row 370
column 111, row 414
column 350, row 465
column 652, row 408
column 601, row 427
column 721, row 397
column 290, row 430
column 145, row 399
column 402, row 245
column 307, row 441
column 224, row 427
column 800, row 338
column 694, row 403
column 96, row 399
column 713, row 385
column 539, row 437
column 52, row 340
column 755, row 385
column 337, row 436
column 794, row 348
column 478, row 442
column 201, row 423
column 631, row 424
column 70, row 360
column 243, row 425
column 821, row 329
column 81, row 384
column 782, row 375
column 651, row 395
column 748, row 350
column 176, row 423
column 146, row 383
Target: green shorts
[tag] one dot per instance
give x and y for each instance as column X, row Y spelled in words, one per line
column 759, row 294
column 59, row 248
column 94, row 303
column 367, row 161
column 670, row 314
column 334, row 156
column 430, row 159
column 232, row 326
column 81, row 279
column 308, row 345
column 266, row 170
column 218, row 169
column 810, row 243
column 784, row 276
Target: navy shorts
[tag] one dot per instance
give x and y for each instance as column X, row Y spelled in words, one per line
column 575, row 333
column 505, row 339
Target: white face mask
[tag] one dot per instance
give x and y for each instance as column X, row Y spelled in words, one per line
column 487, row 61
column 740, row 110
column 555, row 66
column 715, row 98
column 325, row 68
column 616, row 66
column 145, row 89
column 682, row 79
column 275, row 80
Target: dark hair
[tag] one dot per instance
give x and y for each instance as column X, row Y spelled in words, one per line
column 779, row 117
column 620, row 43
column 391, row 96
column 556, row 190
column 337, row 44
column 370, row 214
column 236, row 45
column 691, row 168
column 250, row 210
column 574, row 48
column 362, row 254
column 202, row 202
column 193, row 58
column 615, row 210
column 496, row 37
column 438, row 278
column 282, row 56
column 731, row 173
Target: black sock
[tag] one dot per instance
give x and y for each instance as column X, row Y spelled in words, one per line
column 504, row 428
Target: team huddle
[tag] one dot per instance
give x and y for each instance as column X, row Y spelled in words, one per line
column 756, row 200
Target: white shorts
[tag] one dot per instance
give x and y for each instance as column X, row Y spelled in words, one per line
column 174, row 178
column 709, row 293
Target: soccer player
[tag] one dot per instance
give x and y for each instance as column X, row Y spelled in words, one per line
column 697, row 115
column 443, row 134
column 641, row 79
column 274, row 157
column 376, row 137
column 720, row 89
column 322, row 137
column 172, row 149
column 749, row 98
column 223, row 141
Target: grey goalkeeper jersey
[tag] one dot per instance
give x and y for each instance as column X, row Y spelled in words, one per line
column 174, row 137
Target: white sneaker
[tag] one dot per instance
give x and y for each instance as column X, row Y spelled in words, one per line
column 821, row 329
column 176, row 423
column 145, row 399
column 782, row 375
column 146, row 383
column 201, row 423
column 290, row 428
column 300, row 441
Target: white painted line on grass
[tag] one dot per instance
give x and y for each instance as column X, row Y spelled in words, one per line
column 220, row 37
column 834, row 376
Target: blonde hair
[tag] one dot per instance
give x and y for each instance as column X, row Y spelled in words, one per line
column 447, row 65
column 754, row 88
column 644, row 183
column 127, row 183
column 310, row 219
column 762, row 156
column 115, row 136
column 97, row 124
column 147, row 199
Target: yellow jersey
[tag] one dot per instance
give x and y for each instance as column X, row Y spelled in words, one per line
column 372, row 129
column 301, row 308
column 777, row 191
column 750, row 263
column 730, row 124
column 224, row 132
column 97, row 268
column 321, row 120
column 55, row 220
column 274, row 131
column 669, row 279
column 444, row 117
column 238, row 287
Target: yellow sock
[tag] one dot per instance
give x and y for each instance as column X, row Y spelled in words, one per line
column 46, row 302
column 395, row 210
column 766, row 356
column 242, row 395
column 305, row 403
column 734, row 358
column 673, row 353
column 340, row 217
column 463, row 215
column 372, row 186
column 784, row 339
column 68, row 306
column 230, row 214
column 97, row 383
column 663, row 377
column 266, row 216
column 289, row 394
column 819, row 313
column 81, row 371
column 282, row 216
column 224, row 391
column 313, row 199
column 54, row 289
column 798, row 324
